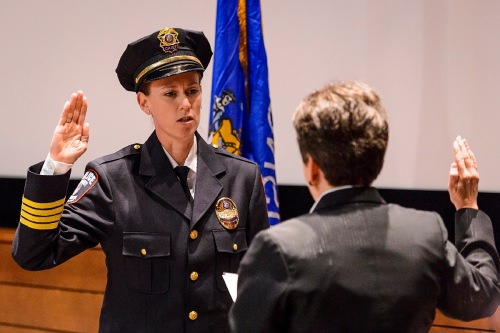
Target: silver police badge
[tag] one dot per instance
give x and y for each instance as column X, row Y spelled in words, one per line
column 227, row 213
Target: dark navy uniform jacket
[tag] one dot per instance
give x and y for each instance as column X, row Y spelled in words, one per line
column 164, row 257
column 357, row 264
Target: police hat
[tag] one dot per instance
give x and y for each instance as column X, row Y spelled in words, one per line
column 164, row 53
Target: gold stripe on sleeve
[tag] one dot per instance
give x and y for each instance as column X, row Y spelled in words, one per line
column 42, row 212
column 41, row 215
column 39, row 226
column 41, row 219
column 43, row 205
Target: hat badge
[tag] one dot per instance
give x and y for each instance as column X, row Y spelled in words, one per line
column 169, row 42
column 227, row 213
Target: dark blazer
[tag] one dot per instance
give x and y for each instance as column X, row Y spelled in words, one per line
column 357, row 264
column 164, row 259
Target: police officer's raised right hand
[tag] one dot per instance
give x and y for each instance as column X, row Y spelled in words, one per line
column 71, row 135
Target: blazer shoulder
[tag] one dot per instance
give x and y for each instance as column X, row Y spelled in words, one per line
column 130, row 150
column 292, row 231
column 424, row 223
column 408, row 211
column 294, row 239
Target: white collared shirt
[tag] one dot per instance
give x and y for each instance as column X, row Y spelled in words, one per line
column 191, row 162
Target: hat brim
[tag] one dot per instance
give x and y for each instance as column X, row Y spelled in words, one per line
column 171, row 70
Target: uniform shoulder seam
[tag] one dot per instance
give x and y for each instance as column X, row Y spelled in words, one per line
column 133, row 149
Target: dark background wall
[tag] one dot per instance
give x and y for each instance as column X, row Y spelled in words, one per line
column 294, row 200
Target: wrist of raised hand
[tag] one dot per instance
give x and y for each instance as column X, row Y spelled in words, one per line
column 52, row 167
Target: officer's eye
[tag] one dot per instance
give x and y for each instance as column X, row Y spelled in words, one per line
column 192, row 91
column 170, row 94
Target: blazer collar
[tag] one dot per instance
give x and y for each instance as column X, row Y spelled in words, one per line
column 154, row 162
column 164, row 184
column 347, row 196
column 208, row 179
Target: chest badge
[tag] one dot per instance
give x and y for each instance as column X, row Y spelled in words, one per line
column 227, row 213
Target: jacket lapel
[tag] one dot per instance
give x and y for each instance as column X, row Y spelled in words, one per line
column 162, row 181
column 208, row 185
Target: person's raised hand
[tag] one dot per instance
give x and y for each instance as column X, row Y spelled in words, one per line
column 71, row 136
column 463, row 184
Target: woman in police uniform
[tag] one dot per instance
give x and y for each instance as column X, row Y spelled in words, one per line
column 168, row 234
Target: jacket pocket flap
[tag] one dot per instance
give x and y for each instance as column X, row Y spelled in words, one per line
column 146, row 245
column 230, row 241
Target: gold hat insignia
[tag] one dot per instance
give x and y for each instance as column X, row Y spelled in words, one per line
column 168, row 40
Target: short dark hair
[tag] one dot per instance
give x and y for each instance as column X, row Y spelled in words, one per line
column 145, row 88
column 343, row 128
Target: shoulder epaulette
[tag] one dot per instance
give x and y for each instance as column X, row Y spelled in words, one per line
column 132, row 149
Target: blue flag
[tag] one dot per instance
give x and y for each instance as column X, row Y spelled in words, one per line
column 241, row 120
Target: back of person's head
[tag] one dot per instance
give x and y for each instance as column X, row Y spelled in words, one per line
column 343, row 128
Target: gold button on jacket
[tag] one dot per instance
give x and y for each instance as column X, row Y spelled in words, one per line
column 193, row 315
column 193, row 234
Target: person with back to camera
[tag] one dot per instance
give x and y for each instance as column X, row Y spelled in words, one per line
column 167, row 240
column 355, row 263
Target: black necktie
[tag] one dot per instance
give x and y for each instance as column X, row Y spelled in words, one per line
column 182, row 173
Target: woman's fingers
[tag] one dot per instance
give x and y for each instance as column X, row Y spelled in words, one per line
column 74, row 110
column 82, row 111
